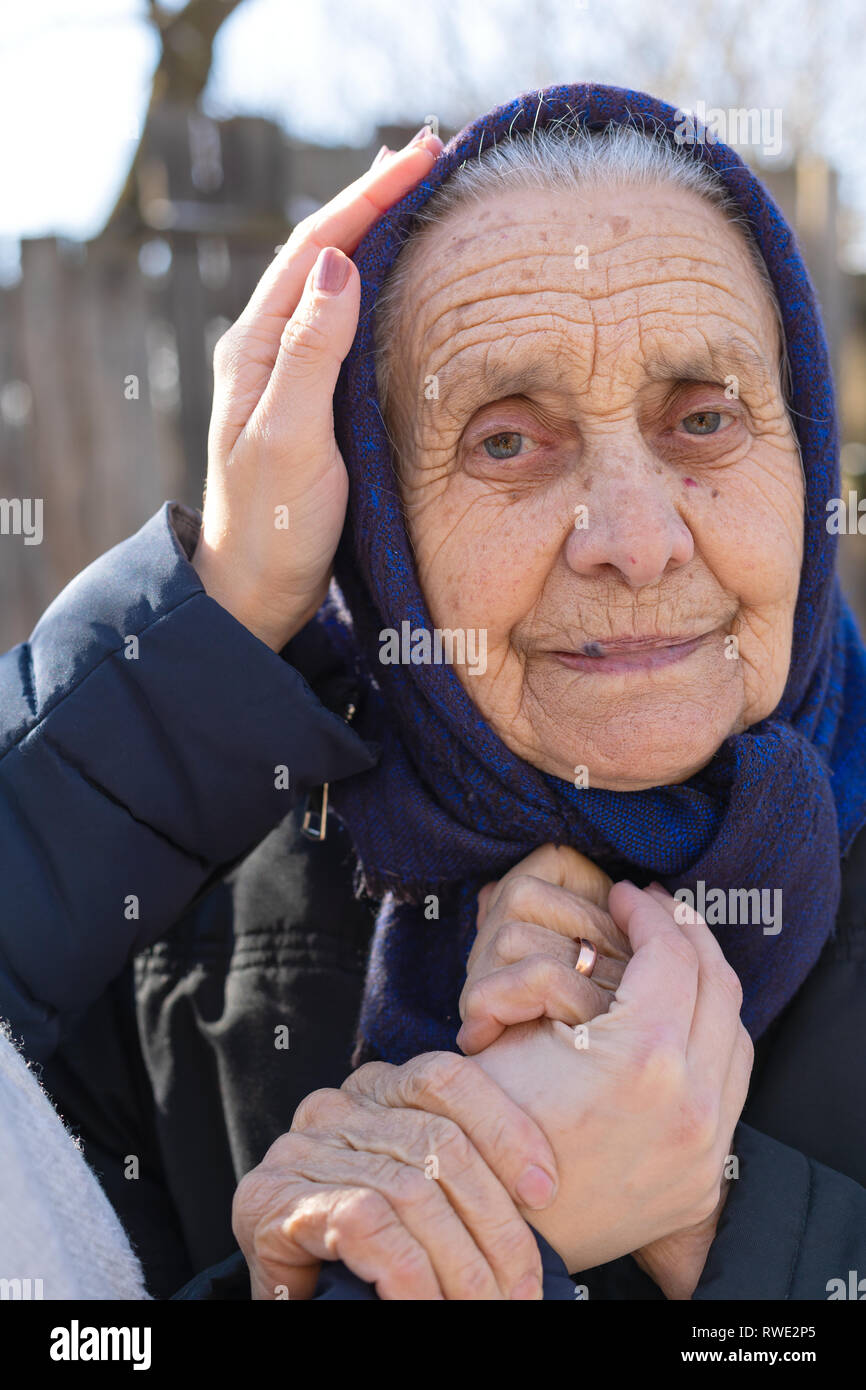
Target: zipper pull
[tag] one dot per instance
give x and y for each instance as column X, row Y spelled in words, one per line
column 315, row 822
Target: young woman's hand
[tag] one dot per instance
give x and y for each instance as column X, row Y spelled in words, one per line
column 276, row 484
column 677, row 1261
column 640, row 1106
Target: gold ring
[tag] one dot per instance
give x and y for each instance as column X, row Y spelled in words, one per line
column 586, row 957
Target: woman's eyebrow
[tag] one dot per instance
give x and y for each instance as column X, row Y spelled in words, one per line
column 711, row 362
column 729, row 357
column 496, row 382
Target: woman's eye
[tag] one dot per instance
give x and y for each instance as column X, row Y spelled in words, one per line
column 504, row 446
column 705, row 422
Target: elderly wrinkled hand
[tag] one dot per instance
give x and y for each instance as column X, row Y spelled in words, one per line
column 410, row 1175
column 523, row 961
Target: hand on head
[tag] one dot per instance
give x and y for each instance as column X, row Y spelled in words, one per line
column 276, row 484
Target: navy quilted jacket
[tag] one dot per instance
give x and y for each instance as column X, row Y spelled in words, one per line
column 162, row 916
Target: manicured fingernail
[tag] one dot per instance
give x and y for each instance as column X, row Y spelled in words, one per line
column 424, row 135
column 332, row 271
column 530, row 1287
column 380, row 156
column 536, row 1188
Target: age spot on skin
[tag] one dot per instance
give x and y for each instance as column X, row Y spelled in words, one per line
column 715, row 492
column 619, row 225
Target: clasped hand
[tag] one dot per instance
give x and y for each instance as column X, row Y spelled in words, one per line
column 600, row 1113
column 638, row 1085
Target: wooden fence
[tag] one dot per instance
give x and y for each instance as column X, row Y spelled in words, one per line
column 106, row 347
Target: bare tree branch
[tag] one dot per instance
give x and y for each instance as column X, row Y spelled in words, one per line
column 187, row 40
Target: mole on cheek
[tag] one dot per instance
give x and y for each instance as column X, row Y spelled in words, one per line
column 715, row 492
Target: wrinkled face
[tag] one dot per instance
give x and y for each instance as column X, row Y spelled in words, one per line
column 600, row 476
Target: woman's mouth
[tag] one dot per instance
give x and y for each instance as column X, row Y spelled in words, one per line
column 620, row 655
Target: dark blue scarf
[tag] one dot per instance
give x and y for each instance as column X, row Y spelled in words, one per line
column 450, row 807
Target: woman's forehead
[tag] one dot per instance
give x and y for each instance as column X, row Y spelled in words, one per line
column 659, row 266
column 543, row 221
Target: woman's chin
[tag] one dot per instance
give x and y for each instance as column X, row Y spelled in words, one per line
column 631, row 754
column 632, row 732
column 649, row 771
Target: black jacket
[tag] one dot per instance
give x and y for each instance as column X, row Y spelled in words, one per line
column 164, row 922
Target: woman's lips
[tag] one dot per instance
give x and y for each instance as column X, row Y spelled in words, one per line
column 626, row 654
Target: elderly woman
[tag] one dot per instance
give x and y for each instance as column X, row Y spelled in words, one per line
column 587, row 651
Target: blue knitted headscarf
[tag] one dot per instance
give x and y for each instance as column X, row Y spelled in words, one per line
column 450, row 807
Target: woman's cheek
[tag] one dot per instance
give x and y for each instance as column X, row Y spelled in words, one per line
column 482, row 559
column 761, row 516
column 753, row 552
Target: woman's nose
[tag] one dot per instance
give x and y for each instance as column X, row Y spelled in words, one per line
column 628, row 520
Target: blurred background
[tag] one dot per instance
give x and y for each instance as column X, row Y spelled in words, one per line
column 154, row 155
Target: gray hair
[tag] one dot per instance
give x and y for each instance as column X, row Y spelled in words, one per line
column 560, row 157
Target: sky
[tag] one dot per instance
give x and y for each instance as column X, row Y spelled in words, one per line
column 75, row 78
